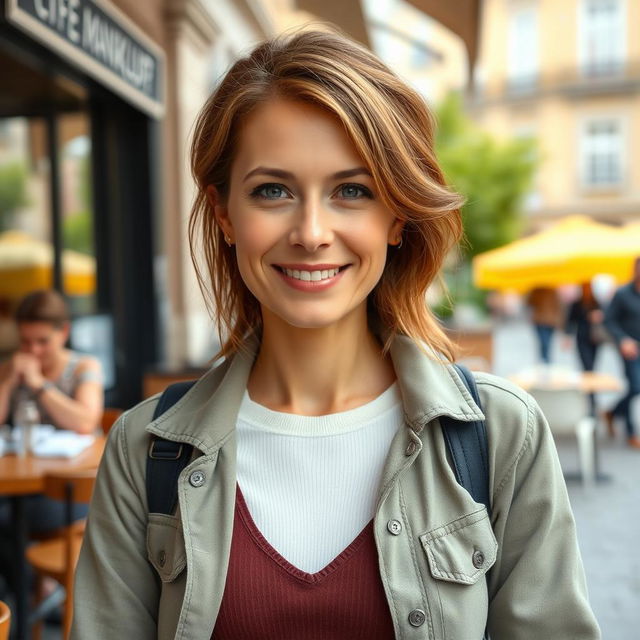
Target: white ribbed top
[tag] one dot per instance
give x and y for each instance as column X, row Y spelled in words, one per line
column 311, row 482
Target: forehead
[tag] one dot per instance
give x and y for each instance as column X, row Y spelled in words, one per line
column 286, row 132
column 33, row 330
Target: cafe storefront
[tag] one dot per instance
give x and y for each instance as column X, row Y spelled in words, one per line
column 82, row 87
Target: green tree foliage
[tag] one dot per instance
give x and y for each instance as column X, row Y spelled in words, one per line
column 77, row 232
column 77, row 229
column 493, row 175
column 13, row 192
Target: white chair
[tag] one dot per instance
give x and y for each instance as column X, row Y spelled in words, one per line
column 567, row 411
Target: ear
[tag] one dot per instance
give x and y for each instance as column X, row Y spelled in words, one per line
column 395, row 232
column 65, row 330
column 220, row 211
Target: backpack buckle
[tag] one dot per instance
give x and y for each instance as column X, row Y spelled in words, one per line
column 165, row 450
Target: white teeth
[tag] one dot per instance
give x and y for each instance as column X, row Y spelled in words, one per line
column 311, row 276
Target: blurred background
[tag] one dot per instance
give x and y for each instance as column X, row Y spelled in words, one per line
column 539, row 119
column 538, row 111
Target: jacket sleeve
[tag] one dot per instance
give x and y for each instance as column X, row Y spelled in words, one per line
column 537, row 586
column 116, row 589
column 612, row 318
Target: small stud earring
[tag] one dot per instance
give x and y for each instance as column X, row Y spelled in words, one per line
column 227, row 239
column 399, row 245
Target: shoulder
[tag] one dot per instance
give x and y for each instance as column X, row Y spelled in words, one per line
column 128, row 440
column 86, row 363
column 133, row 423
column 513, row 419
column 499, row 394
column 623, row 292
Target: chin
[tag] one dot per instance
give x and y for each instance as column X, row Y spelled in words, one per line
column 309, row 320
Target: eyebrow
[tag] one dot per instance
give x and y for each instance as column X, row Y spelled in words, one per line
column 287, row 175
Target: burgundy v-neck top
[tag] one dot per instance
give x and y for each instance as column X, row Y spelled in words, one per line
column 267, row 598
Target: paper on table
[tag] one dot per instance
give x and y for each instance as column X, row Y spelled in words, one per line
column 11, row 438
column 62, row 444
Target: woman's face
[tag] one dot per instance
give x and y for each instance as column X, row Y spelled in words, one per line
column 310, row 230
column 42, row 340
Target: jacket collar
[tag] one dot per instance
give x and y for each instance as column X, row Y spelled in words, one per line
column 430, row 387
column 206, row 415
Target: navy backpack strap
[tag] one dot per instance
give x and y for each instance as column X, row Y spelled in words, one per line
column 467, row 445
column 166, row 458
column 469, row 450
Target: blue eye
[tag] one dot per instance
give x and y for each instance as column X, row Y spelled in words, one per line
column 352, row 191
column 270, row 191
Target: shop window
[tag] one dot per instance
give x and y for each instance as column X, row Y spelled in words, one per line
column 602, row 37
column 78, row 255
column 26, row 251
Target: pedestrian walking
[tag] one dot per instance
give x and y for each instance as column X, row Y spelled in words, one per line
column 546, row 316
column 585, row 321
column 319, row 501
column 622, row 319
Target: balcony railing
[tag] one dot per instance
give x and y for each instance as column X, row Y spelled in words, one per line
column 595, row 79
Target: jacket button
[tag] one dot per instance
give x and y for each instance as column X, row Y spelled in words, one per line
column 196, row 479
column 411, row 448
column 394, row 527
column 162, row 558
column 478, row 559
column 417, row 618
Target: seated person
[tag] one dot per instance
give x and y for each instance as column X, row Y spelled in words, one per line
column 66, row 386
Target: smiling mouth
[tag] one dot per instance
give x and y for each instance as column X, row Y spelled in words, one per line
column 316, row 275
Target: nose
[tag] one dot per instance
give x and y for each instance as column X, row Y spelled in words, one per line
column 312, row 227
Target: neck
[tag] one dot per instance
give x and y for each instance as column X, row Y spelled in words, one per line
column 52, row 369
column 319, row 371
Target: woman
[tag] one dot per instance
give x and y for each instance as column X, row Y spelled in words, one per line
column 66, row 385
column 584, row 319
column 319, row 502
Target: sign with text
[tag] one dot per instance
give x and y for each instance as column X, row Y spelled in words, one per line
column 100, row 40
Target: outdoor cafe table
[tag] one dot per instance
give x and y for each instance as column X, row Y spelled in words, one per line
column 587, row 381
column 21, row 477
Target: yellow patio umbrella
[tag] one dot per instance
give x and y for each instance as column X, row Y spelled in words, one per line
column 26, row 264
column 572, row 251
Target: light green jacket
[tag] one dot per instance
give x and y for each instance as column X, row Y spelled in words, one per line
column 155, row 576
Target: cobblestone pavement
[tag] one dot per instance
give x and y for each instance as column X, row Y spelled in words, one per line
column 607, row 514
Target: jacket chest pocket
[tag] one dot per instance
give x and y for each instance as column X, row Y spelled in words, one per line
column 165, row 546
column 461, row 551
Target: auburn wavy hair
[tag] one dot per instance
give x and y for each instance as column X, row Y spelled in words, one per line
column 391, row 128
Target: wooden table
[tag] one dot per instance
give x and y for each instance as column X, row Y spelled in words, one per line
column 19, row 478
column 586, row 381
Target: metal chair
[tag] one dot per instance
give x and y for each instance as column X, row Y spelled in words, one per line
column 57, row 558
column 568, row 413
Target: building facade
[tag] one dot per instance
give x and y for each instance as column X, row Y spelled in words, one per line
column 566, row 72
column 97, row 98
